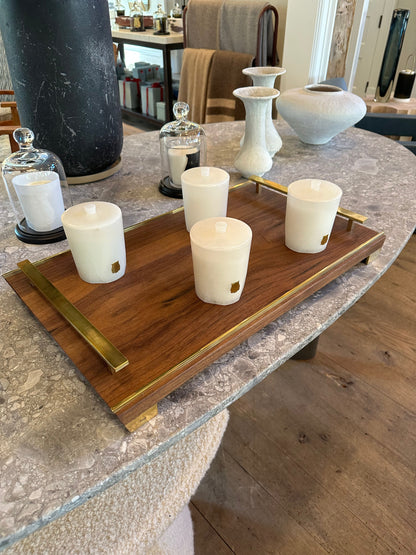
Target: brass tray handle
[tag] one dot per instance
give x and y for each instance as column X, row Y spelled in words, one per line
column 103, row 347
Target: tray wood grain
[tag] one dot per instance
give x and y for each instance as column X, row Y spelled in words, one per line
column 153, row 315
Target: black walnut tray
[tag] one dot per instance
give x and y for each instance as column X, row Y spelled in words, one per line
column 153, row 316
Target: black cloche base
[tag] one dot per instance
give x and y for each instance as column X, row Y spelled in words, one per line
column 166, row 188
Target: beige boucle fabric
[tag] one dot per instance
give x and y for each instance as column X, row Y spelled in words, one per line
column 178, row 539
column 133, row 516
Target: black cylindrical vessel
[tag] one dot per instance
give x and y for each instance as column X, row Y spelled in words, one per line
column 391, row 54
column 61, row 61
column 404, row 85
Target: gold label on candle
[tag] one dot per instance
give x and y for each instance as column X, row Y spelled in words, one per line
column 235, row 287
column 115, row 267
column 324, row 240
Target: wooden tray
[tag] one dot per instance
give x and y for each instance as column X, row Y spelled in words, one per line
column 153, row 316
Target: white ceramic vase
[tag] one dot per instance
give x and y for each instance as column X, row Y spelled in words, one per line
column 253, row 157
column 319, row 112
column 265, row 76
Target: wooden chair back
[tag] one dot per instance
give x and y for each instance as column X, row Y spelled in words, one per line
column 7, row 127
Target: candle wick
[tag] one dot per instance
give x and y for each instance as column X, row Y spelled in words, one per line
column 315, row 185
column 205, row 171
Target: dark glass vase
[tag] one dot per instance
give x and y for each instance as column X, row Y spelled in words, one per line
column 392, row 54
column 61, row 62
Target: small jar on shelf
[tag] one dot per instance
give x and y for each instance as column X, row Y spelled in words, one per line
column 177, row 11
column 120, row 10
column 160, row 21
column 136, row 17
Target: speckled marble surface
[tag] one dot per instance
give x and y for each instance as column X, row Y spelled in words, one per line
column 59, row 443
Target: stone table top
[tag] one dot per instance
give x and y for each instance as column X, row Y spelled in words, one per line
column 59, row 442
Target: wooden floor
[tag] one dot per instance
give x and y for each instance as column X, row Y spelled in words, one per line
column 321, row 456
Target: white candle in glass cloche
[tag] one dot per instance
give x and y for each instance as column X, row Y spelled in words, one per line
column 41, row 199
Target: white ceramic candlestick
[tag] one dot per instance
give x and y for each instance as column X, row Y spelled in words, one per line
column 220, row 255
column 265, row 76
column 311, row 209
column 40, row 196
column 205, row 193
column 178, row 160
column 96, row 238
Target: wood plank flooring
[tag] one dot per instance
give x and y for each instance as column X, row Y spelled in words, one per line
column 321, row 456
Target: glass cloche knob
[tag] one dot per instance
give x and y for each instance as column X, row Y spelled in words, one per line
column 180, row 110
column 24, row 137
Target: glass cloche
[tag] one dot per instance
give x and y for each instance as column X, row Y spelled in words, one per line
column 37, row 189
column 182, row 146
column 177, row 11
column 136, row 17
column 120, row 8
column 160, row 21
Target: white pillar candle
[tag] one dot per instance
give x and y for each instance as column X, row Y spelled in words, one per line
column 311, row 209
column 180, row 159
column 220, row 254
column 205, row 194
column 40, row 196
column 96, row 238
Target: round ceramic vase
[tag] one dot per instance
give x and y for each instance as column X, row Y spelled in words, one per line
column 265, row 76
column 319, row 112
column 253, row 157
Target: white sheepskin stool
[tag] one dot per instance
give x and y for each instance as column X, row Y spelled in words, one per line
column 145, row 514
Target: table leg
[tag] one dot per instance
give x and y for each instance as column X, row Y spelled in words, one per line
column 121, row 52
column 308, row 352
column 168, row 83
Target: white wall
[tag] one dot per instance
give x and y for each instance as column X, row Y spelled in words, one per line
column 298, row 41
column 307, row 41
